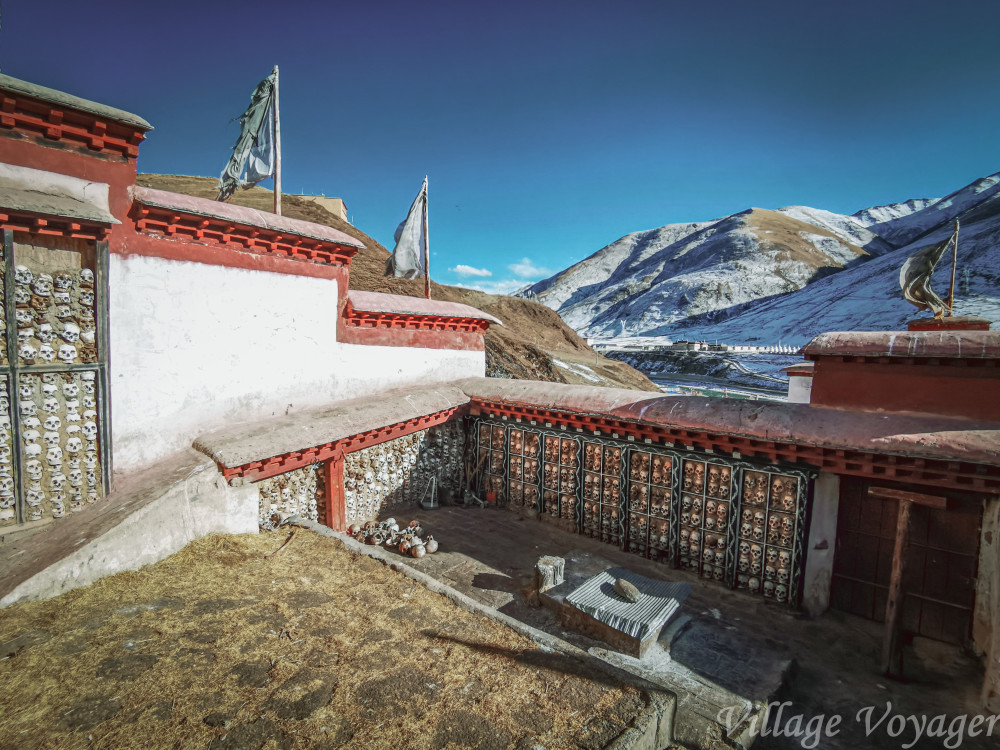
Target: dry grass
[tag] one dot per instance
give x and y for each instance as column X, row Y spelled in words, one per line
column 314, row 647
column 522, row 348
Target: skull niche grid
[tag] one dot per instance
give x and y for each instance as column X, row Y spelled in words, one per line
column 649, row 504
column 705, row 489
column 559, row 469
column 767, row 530
column 63, row 451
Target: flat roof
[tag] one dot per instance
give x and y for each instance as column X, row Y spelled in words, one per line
column 188, row 204
column 949, row 344
column 17, row 86
column 378, row 302
column 39, row 192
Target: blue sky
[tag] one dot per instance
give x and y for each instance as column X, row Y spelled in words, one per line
column 548, row 129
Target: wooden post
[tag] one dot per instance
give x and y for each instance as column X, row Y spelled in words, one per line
column 954, row 265
column 277, row 148
column 891, row 659
column 427, row 248
column 892, row 662
column 333, row 487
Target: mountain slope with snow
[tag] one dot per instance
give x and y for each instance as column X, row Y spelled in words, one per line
column 761, row 275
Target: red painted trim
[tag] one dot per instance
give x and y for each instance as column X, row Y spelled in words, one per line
column 258, row 470
column 950, row 474
column 155, row 246
column 68, row 126
column 57, row 226
column 417, row 331
column 241, row 238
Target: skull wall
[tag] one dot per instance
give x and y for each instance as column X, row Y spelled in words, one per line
column 299, row 492
column 723, row 519
column 51, row 400
column 399, row 471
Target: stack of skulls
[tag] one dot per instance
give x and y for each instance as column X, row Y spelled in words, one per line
column 409, row 540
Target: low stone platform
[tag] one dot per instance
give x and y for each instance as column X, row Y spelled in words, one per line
column 631, row 627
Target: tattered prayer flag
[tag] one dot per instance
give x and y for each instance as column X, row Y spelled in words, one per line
column 254, row 153
column 407, row 260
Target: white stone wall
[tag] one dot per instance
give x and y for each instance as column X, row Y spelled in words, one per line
column 195, row 347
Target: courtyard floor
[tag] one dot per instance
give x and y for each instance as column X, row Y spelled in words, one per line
column 736, row 640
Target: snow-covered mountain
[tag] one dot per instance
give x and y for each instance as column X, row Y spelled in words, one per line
column 763, row 275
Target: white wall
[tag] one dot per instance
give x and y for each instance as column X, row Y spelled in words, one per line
column 195, row 347
column 822, row 544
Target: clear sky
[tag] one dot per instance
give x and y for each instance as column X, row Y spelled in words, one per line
column 548, row 128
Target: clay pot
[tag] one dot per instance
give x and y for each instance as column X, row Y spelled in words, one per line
column 431, row 545
column 418, row 551
column 353, row 529
column 404, row 546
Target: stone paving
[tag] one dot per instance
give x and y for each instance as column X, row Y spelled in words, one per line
column 743, row 644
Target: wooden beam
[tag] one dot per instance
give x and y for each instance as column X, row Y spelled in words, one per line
column 887, row 493
column 892, row 661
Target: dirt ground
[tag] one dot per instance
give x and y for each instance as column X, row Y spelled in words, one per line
column 224, row 646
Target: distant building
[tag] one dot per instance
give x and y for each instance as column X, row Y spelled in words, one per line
column 335, row 206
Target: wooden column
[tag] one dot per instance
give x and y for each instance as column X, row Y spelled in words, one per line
column 892, row 658
column 333, row 485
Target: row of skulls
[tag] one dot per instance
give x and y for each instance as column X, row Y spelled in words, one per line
column 409, row 540
column 55, row 316
column 648, row 469
column 293, row 493
column 780, row 492
column 710, row 479
column 59, row 444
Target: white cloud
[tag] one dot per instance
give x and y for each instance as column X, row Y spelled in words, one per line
column 526, row 269
column 463, row 270
column 494, row 287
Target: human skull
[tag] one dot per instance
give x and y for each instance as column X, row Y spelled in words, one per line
column 92, row 479
column 57, row 481
column 70, row 390
column 781, row 592
column 24, row 317
column 61, row 298
column 43, row 285
column 89, row 430
column 62, row 281
column 50, row 404
column 23, row 276
column 25, row 335
column 86, row 278
column 67, row 353
column 87, row 298
column 50, row 389
column 87, row 336
column 64, row 312
column 772, row 555
column 53, row 422
column 31, row 423
column 75, row 478
column 27, row 408
column 34, row 496
column 52, row 438
column 74, row 445
column 32, row 450
column 769, row 589
column 71, row 332
column 784, row 558
column 756, row 552
column 54, row 456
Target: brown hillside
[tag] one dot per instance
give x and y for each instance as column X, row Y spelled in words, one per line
column 532, row 334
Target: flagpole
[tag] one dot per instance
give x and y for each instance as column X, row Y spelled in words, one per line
column 954, row 265
column 427, row 249
column 277, row 148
